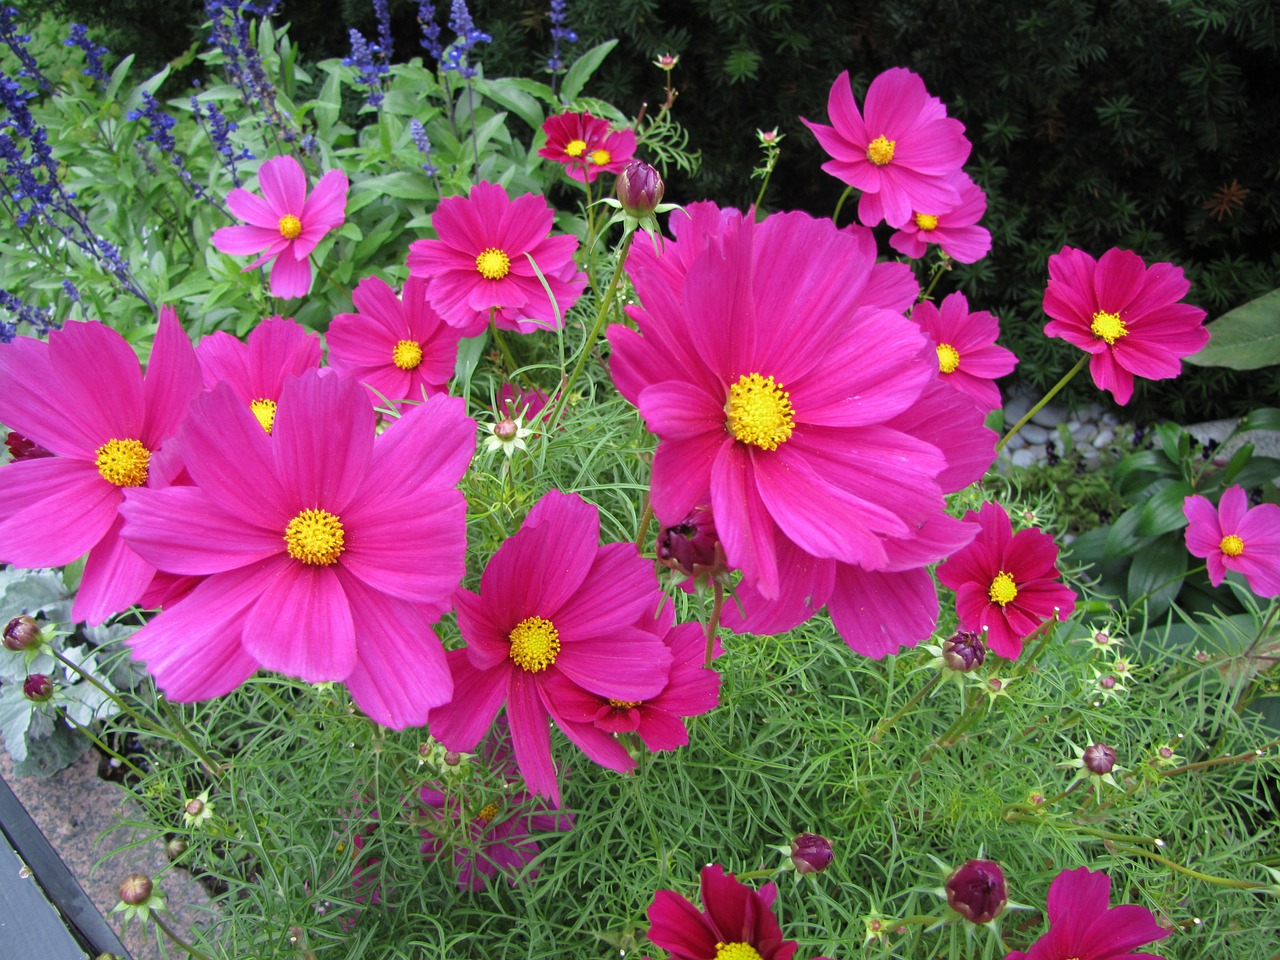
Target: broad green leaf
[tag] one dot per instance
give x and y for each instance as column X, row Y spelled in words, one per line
column 1157, row 571
column 1163, row 512
column 507, row 93
column 1245, row 338
column 405, row 185
column 583, row 68
column 1265, row 418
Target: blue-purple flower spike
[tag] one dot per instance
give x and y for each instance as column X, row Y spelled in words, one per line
column 456, row 57
column 370, row 70
column 93, row 53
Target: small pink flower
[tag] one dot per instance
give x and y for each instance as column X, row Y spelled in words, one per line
column 968, row 358
column 1006, row 583
column 955, row 230
column 587, row 146
column 733, row 916
column 903, row 155
column 1125, row 314
column 1235, row 537
column 284, row 223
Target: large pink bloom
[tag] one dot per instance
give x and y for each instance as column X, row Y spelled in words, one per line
column 903, row 155
column 587, row 146
column 1235, row 537
column 83, row 398
column 399, row 348
column 968, row 358
column 284, row 223
column 1084, row 926
column 955, row 230
column 1006, row 583
column 554, row 604
column 481, row 262
column 733, row 915
column 1125, row 314
column 326, row 556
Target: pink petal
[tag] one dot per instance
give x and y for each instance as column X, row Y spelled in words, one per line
column 477, row 696
column 113, row 581
column 255, row 211
column 242, row 241
column 180, row 531
column 877, row 614
column 53, row 510
column 302, row 623
column 284, row 185
column 290, row 278
column 531, row 736
column 172, row 380
column 322, row 440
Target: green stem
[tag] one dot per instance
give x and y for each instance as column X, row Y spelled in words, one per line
column 102, row 746
column 1245, row 757
column 942, row 267
column 104, row 690
column 883, row 726
column 835, row 217
column 713, row 622
column 501, row 342
column 172, row 934
column 765, row 186
column 1187, row 871
column 759, row 874
column 645, row 519
column 1044, row 400
column 188, row 741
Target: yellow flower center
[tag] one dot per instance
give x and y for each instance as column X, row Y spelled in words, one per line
column 624, row 704
column 265, row 411
column 948, row 358
column 487, row 814
column 600, row 157
column 1003, row 590
column 315, row 537
column 123, row 462
column 926, row 221
column 493, row 264
column 1108, row 326
column 736, row 951
column 407, row 354
column 880, row 150
column 1231, row 545
column 290, row 226
column 534, row 644
column 575, row 148
column 759, row 411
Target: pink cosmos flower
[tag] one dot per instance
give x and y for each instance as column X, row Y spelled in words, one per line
column 955, row 230
column 554, row 605
column 482, row 262
column 1006, row 583
column 733, row 915
column 1084, row 926
column 968, row 358
column 284, row 223
column 1235, row 537
column 516, row 401
column 325, row 555
column 1125, row 314
column 398, row 347
column 587, row 146
column 903, row 155
column 82, row 397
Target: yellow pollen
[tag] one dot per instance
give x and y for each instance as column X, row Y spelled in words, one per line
column 759, row 411
column 290, row 226
column 737, row 951
column 1003, row 590
column 575, row 148
column 534, row 644
column 315, row 537
column 1108, row 326
column 948, row 358
column 624, row 704
column 123, row 462
column 600, row 157
column 487, row 814
column 493, row 264
column 1231, row 545
column 407, row 354
column 265, row 411
column 880, row 150
column 926, row 221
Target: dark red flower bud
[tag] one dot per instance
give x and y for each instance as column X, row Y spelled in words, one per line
column 1099, row 759
column 964, row 650
column 811, row 853
column 505, row 429
column 20, row 448
column 976, row 891
column 175, row 848
column 692, row 546
column 135, row 890
column 640, row 188
column 1107, row 683
column 37, row 688
column 452, row 758
column 195, row 807
column 21, row 633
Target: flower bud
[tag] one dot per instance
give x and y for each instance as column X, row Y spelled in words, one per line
column 1099, row 759
column 640, row 189
column 976, row 891
column 195, row 807
column 20, row 448
column 21, row 633
column 506, row 429
column 37, row 688
column 136, row 889
column 811, row 853
column 963, row 651
column 692, row 546
column 175, row 848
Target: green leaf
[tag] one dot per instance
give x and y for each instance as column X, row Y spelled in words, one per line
column 1236, row 464
column 405, row 185
column 508, row 93
column 1158, row 569
column 1258, row 471
column 1266, row 418
column 1122, row 538
column 329, row 103
column 1245, row 338
column 117, row 78
column 1127, row 474
column 1163, row 512
column 583, row 68
column 1174, row 441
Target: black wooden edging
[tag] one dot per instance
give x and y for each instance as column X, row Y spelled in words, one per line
column 63, row 891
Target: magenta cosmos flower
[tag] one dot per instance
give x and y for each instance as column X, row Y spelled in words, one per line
column 956, row 230
column 587, row 146
column 1125, row 314
column 284, row 223
column 398, row 347
column 481, row 262
column 1084, row 926
column 1235, row 537
column 736, row 922
column 325, row 555
column 82, row 397
column 554, row 605
column 256, row 368
column 968, row 358
column 903, row 155
column 1006, row 583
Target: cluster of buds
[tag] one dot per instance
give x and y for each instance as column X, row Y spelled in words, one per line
column 692, row 547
